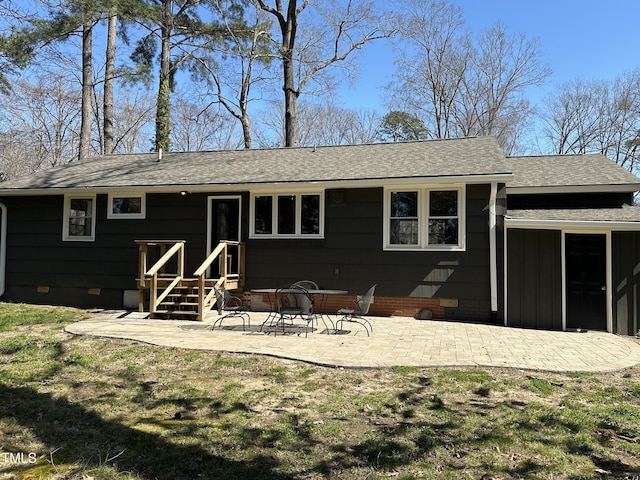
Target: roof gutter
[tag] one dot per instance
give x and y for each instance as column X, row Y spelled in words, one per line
column 493, row 250
column 553, row 224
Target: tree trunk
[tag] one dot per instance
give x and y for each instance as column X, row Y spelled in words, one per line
column 163, row 127
column 109, row 74
column 290, row 93
column 87, row 88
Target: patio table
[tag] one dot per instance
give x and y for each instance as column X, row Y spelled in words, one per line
column 317, row 312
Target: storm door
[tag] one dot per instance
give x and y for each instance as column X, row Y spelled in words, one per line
column 224, row 224
column 586, row 281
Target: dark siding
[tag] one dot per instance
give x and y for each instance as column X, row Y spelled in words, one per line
column 570, row 200
column 534, row 290
column 351, row 256
column 626, row 282
column 37, row 256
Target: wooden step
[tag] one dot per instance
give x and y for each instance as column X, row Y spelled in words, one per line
column 174, row 314
column 182, row 302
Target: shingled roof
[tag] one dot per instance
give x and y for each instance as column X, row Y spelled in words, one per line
column 551, row 171
column 465, row 157
column 625, row 218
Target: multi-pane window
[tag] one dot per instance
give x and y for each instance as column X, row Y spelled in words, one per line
column 79, row 218
column 287, row 215
column 424, row 218
column 404, row 218
column 443, row 217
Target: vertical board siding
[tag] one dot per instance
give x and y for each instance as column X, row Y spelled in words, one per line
column 626, row 282
column 534, row 290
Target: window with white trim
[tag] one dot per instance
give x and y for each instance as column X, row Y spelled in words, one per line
column 79, row 218
column 126, row 206
column 424, row 218
column 298, row 215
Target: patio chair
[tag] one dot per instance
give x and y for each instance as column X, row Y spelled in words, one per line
column 307, row 284
column 356, row 314
column 311, row 286
column 292, row 302
column 233, row 305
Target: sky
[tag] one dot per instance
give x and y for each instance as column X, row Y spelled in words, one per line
column 586, row 39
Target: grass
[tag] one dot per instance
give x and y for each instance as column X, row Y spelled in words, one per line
column 84, row 407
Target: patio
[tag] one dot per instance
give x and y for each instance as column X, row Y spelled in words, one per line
column 395, row 341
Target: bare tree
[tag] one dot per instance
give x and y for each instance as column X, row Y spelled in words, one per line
column 431, row 72
column 320, row 124
column 44, row 122
column 596, row 117
column 133, row 121
column 335, row 30
column 197, row 128
column 460, row 84
column 242, row 64
column 504, row 67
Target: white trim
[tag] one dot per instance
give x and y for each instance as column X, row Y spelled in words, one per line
column 210, row 201
column 65, row 219
column 274, row 194
column 143, row 205
column 505, row 275
column 493, row 250
column 595, row 225
column 423, row 219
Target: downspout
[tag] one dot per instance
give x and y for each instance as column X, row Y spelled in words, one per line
column 493, row 250
column 3, row 249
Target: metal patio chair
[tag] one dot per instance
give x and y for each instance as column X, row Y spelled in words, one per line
column 292, row 302
column 233, row 305
column 307, row 284
column 356, row 314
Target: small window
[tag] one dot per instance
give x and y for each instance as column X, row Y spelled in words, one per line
column 79, row 218
column 287, row 215
column 126, row 206
column 263, row 208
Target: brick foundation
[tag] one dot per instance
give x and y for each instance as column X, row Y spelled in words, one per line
column 382, row 306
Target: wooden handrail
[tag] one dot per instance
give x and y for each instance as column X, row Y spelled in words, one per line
column 149, row 278
column 202, row 269
column 205, row 302
column 152, row 273
column 165, row 259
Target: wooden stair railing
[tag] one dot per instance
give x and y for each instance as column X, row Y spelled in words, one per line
column 206, row 300
column 173, row 295
column 156, row 275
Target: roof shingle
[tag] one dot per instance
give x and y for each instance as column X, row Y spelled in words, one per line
column 567, row 170
column 435, row 158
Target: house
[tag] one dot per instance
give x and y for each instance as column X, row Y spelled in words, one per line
column 450, row 226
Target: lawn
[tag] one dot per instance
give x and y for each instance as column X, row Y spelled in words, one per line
column 93, row 408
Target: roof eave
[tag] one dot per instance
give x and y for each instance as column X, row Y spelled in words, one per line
column 257, row 186
column 556, row 224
